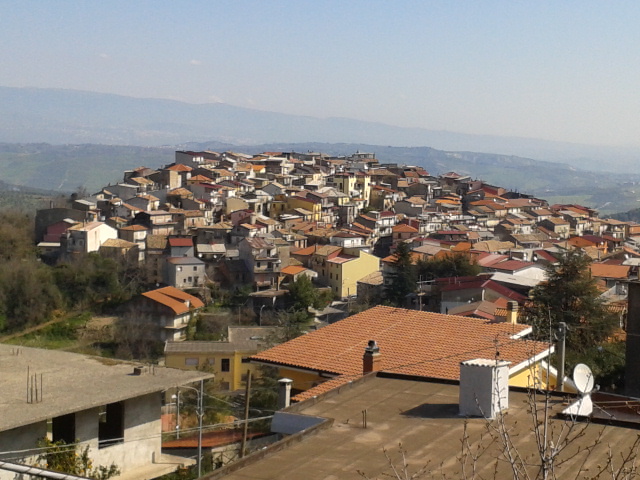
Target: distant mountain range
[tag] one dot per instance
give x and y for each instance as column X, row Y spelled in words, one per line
column 62, row 139
column 56, row 116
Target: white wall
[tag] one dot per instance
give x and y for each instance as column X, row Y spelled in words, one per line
column 22, row 438
column 142, row 436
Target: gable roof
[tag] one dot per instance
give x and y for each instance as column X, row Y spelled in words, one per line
column 481, row 281
column 609, row 271
column 411, row 342
column 181, row 241
column 293, row 270
column 174, row 298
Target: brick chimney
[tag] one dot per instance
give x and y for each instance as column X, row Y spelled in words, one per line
column 512, row 312
column 371, row 360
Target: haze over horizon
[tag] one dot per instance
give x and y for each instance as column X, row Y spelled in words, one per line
column 566, row 72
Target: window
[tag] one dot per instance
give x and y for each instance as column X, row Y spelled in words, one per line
column 258, row 264
column 191, row 362
column 190, row 279
column 64, row 428
column 179, row 269
column 224, row 365
column 211, row 361
column 111, row 425
column 195, row 269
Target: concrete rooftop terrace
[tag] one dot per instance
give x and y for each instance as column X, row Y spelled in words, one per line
column 423, row 416
column 72, row 382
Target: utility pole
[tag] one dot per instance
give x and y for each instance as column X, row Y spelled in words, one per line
column 562, row 336
column 246, row 415
column 200, row 415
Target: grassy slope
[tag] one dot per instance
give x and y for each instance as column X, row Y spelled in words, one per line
column 65, row 167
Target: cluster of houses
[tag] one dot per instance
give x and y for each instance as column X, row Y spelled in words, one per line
column 264, row 220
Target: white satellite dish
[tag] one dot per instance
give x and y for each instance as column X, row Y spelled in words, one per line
column 583, row 378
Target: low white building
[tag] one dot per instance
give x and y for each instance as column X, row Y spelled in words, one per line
column 88, row 237
column 112, row 406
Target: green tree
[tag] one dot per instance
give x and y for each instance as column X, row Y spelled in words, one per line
column 16, row 236
column 292, row 323
column 74, row 460
column 28, row 293
column 570, row 295
column 403, row 278
column 454, row 265
column 303, row 294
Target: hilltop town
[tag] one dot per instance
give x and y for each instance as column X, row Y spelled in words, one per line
column 232, row 219
column 402, row 285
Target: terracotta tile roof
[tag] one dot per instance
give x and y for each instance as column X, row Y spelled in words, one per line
column 374, row 278
column 545, row 256
column 175, row 299
column 511, row 265
column 493, row 246
column 210, row 439
column 393, row 258
column 200, row 178
column 179, row 167
column 488, row 259
column 404, row 228
column 609, row 271
column 117, row 243
column 305, row 251
column 182, row 192
column 483, row 309
column 181, row 241
column 292, row 270
column 417, row 343
column 156, row 241
column 343, row 258
column 324, row 387
column 134, row 228
column 464, row 283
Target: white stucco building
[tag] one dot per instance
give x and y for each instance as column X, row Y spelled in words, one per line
column 114, row 407
column 88, row 237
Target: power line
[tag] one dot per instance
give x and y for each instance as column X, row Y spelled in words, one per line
column 68, row 447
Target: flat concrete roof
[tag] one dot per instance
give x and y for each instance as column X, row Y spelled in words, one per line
column 424, row 417
column 73, row 382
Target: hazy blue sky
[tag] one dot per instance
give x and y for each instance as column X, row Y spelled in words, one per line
column 562, row 70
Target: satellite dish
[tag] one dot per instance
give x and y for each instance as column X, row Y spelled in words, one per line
column 583, row 378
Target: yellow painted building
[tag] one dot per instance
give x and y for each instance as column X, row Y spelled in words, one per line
column 363, row 184
column 227, row 359
column 344, row 182
column 307, row 204
column 345, row 269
